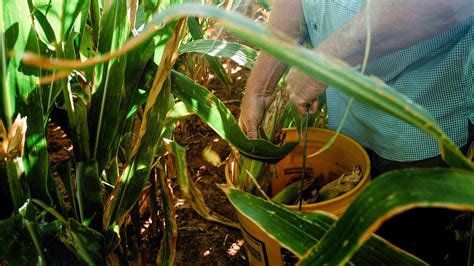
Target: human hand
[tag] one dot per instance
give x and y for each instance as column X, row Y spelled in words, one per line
column 303, row 89
column 252, row 110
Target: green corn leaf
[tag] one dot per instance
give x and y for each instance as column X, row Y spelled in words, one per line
column 87, row 244
column 299, row 231
column 214, row 63
column 68, row 241
column 388, row 195
column 7, row 96
column 178, row 112
column 18, row 36
column 150, row 6
column 133, row 180
column 136, row 173
column 70, row 46
column 330, row 71
column 89, row 193
column 239, row 53
column 56, row 18
column 43, row 28
column 110, row 81
column 190, row 191
column 78, row 126
column 167, row 253
column 36, row 160
column 55, row 251
column 139, row 75
column 211, row 110
column 56, row 194
column 17, row 248
column 249, row 168
column 64, row 171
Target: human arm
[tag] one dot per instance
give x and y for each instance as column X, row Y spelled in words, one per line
column 284, row 17
column 394, row 25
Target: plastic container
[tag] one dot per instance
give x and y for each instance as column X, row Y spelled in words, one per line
column 341, row 156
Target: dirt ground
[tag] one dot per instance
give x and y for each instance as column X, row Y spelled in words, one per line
column 201, row 242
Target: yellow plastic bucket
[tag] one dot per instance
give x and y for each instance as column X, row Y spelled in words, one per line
column 341, row 156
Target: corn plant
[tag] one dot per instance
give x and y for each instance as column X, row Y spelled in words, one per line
column 87, row 60
column 91, row 61
column 355, row 237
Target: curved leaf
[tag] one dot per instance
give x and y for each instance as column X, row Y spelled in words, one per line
column 388, row 195
column 330, row 71
column 211, row 110
column 297, row 231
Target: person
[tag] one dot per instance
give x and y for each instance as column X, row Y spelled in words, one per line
column 424, row 49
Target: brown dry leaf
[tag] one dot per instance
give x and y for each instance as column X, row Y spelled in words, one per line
column 3, row 140
column 16, row 138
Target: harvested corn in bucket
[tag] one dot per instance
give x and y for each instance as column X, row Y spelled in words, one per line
column 314, row 190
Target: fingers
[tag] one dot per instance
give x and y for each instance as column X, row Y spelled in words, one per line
column 252, row 133
column 300, row 105
column 302, row 89
column 249, row 128
column 252, row 110
column 314, row 107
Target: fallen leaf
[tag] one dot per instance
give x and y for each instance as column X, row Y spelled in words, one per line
column 211, row 156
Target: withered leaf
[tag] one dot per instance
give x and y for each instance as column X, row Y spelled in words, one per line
column 16, row 138
column 3, row 140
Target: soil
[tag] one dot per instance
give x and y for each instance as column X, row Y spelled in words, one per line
column 201, row 242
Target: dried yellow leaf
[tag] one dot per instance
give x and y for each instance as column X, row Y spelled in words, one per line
column 211, row 156
column 3, row 140
column 12, row 145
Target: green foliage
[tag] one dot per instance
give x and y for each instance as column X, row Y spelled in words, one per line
column 365, row 89
column 214, row 63
column 388, row 195
column 100, row 72
column 241, row 54
column 17, row 247
column 298, row 231
column 330, row 71
column 100, row 102
column 210, row 109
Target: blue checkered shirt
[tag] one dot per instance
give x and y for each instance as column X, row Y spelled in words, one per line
column 436, row 73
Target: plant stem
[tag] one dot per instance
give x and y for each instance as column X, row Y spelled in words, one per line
column 34, row 237
column 14, row 175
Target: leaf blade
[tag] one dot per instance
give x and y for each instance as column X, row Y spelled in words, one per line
column 386, row 196
column 209, row 108
column 298, row 231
